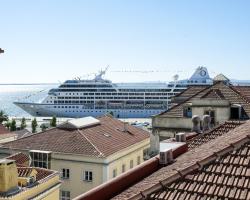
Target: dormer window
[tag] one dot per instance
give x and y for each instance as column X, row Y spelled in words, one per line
column 187, row 112
column 41, row 158
column 237, row 112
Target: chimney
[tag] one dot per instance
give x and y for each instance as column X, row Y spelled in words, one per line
column 125, row 128
column 206, row 122
column 196, row 124
column 8, row 176
column 154, row 142
column 180, row 137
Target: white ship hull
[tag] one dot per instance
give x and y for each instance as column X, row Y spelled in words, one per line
column 46, row 110
column 96, row 97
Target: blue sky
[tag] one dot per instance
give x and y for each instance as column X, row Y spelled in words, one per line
column 50, row 41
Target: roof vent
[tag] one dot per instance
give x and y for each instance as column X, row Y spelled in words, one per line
column 106, row 135
column 206, row 122
column 166, row 157
column 180, row 137
column 196, row 123
column 79, row 123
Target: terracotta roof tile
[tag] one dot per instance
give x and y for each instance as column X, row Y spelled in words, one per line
column 20, row 158
column 225, row 177
column 218, row 169
column 214, row 133
column 100, row 140
column 190, row 91
column 235, row 95
column 41, row 172
column 3, row 129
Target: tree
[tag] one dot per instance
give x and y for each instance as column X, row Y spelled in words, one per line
column 7, row 125
column 34, row 125
column 13, row 125
column 3, row 117
column 110, row 113
column 23, row 123
column 53, row 121
column 44, row 127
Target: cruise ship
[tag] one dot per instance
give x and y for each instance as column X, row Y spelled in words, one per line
column 98, row 96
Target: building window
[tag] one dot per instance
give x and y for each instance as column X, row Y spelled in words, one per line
column 131, row 164
column 65, row 173
column 114, row 173
column 65, row 195
column 146, row 154
column 40, row 158
column 123, row 168
column 138, row 160
column 88, row 176
column 187, row 112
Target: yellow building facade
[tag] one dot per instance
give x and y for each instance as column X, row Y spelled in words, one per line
column 97, row 153
column 16, row 184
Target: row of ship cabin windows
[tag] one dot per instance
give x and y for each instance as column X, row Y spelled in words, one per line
column 99, row 97
column 167, row 98
column 116, row 93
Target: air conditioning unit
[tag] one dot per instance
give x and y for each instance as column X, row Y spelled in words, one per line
column 180, row 137
column 166, row 157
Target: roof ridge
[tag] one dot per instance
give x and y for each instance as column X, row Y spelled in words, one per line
column 239, row 93
column 33, row 134
column 202, row 90
column 183, row 171
column 90, row 142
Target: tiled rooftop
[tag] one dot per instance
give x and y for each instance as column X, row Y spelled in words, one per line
column 227, row 177
column 22, row 133
column 211, row 135
column 41, row 172
column 235, row 95
column 215, row 168
column 3, row 129
column 100, row 140
column 20, row 158
column 190, row 91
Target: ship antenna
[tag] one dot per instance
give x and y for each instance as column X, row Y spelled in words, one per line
column 106, row 69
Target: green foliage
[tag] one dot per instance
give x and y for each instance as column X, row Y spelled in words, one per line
column 110, row 113
column 34, row 125
column 13, row 125
column 3, row 117
column 7, row 125
column 53, row 121
column 44, row 127
column 23, row 123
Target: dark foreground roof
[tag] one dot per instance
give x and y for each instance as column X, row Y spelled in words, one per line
column 99, row 140
column 215, row 169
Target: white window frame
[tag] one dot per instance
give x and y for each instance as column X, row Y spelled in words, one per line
column 67, row 173
column 138, row 160
column 43, row 158
column 66, row 195
column 86, row 173
column 123, row 168
column 114, row 174
column 131, row 164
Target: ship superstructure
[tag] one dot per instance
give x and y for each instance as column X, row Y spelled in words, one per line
column 78, row 98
